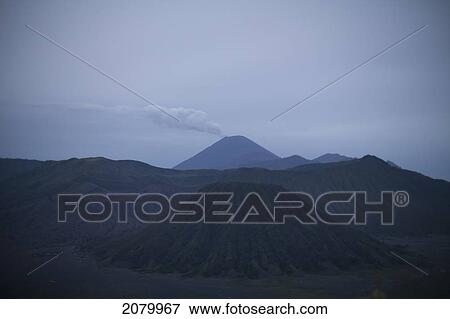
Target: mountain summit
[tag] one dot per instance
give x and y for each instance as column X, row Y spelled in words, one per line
column 229, row 152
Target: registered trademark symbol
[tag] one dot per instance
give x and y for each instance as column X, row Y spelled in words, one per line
column 401, row 199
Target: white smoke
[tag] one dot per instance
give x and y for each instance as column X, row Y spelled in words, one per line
column 188, row 118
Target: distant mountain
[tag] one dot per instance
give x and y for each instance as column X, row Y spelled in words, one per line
column 297, row 160
column 239, row 151
column 282, row 163
column 229, row 152
column 331, row 158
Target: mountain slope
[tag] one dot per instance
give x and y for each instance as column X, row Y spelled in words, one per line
column 250, row 251
column 229, row 152
column 10, row 167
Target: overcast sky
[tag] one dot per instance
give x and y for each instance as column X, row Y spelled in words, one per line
column 226, row 68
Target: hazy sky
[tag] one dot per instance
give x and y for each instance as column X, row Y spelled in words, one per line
column 226, row 68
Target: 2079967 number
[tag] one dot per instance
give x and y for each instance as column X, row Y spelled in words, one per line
column 149, row 308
